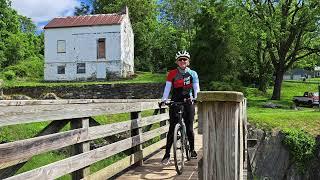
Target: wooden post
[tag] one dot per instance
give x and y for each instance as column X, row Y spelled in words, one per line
column 80, row 147
column 137, row 150
column 163, row 123
column 200, row 119
column 222, row 152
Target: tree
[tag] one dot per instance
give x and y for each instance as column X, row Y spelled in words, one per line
column 292, row 28
column 214, row 52
column 17, row 35
column 26, row 25
column 84, row 9
column 255, row 63
column 181, row 14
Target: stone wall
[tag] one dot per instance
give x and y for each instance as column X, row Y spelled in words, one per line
column 103, row 91
column 270, row 159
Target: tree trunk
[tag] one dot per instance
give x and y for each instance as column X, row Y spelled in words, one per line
column 263, row 82
column 277, row 85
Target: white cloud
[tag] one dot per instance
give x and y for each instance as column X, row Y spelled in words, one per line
column 44, row 10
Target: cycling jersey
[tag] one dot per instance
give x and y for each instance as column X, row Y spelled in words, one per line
column 183, row 82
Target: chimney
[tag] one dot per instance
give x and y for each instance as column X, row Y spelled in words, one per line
column 125, row 10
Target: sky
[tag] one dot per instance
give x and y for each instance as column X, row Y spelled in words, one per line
column 42, row 11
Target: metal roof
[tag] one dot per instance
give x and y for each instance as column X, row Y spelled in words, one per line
column 87, row 20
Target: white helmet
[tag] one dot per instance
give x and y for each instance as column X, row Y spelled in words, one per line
column 181, row 54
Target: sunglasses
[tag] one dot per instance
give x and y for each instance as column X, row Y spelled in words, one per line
column 182, row 59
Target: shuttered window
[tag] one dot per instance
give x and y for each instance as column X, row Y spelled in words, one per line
column 101, row 48
column 61, row 46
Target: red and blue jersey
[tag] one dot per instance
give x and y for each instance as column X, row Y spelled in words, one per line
column 182, row 83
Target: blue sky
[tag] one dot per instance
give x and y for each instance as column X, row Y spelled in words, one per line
column 42, row 11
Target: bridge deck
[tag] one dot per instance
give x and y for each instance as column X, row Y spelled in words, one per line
column 153, row 169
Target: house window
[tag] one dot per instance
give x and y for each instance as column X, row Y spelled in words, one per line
column 61, row 69
column 101, row 48
column 81, row 68
column 61, row 46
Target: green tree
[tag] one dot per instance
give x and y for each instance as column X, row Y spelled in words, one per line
column 255, row 63
column 26, row 25
column 84, row 9
column 17, row 37
column 292, row 29
column 181, row 14
column 214, row 52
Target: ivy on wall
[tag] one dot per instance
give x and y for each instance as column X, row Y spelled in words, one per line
column 301, row 145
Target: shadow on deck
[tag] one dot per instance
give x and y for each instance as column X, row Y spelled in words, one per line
column 153, row 169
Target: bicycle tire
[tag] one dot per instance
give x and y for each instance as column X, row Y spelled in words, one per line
column 178, row 153
column 186, row 143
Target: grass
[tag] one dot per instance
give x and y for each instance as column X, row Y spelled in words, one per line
column 140, row 77
column 266, row 118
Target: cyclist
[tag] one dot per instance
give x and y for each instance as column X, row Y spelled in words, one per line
column 185, row 85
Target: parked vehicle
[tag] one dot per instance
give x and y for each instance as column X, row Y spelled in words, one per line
column 308, row 98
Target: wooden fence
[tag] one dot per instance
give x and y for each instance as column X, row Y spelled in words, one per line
column 13, row 155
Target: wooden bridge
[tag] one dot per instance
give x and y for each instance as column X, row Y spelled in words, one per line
column 221, row 119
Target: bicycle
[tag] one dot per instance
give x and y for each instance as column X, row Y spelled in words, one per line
column 181, row 147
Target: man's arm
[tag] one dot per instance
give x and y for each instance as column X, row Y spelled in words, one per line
column 166, row 91
column 195, row 84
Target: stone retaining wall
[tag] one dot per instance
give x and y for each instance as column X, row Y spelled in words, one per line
column 270, row 159
column 102, row 91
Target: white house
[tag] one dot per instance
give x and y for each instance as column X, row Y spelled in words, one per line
column 89, row 47
column 316, row 71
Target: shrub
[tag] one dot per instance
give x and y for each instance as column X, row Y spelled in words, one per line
column 31, row 68
column 301, row 145
column 234, row 85
column 9, row 75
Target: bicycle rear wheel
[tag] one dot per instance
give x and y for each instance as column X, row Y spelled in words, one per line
column 178, row 148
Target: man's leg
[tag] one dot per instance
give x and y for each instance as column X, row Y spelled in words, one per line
column 188, row 117
column 172, row 125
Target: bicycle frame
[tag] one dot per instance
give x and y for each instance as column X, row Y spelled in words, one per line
column 180, row 127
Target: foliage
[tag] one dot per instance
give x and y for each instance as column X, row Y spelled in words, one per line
column 301, row 146
column 31, row 68
column 9, row 75
column 292, row 31
column 182, row 15
column 82, row 10
column 213, row 47
column 17, row 35
column 226, row 86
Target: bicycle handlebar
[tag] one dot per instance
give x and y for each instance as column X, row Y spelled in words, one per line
column 170, row 103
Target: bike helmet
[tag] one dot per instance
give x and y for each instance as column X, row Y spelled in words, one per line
column 182, row 54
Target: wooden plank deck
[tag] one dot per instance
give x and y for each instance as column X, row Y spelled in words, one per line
column 153, row 169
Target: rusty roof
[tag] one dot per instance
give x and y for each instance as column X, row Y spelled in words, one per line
column 87, row 20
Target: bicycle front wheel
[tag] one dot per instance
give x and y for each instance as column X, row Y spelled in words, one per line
column 178, row 148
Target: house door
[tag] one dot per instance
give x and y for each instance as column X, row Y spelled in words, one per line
column 101, row 70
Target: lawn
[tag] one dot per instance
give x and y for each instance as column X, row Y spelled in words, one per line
column 140, row 77
column 306, row 118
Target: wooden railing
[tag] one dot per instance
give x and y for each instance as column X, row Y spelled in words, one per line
column 13, row 155
column 222, row 121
